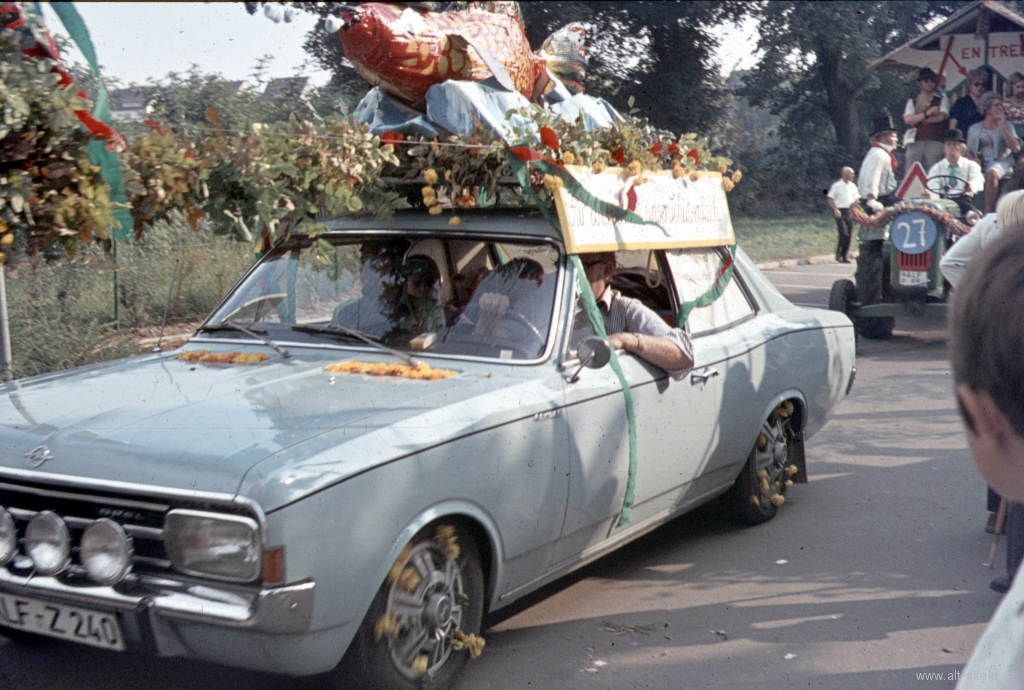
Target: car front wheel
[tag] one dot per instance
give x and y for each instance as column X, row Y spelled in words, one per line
column 424, row 623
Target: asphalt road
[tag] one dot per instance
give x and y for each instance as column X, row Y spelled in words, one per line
column 870, row 574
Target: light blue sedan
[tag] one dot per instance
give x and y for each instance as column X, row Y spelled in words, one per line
column 383, row 434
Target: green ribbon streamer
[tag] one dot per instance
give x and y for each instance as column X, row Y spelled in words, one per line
column 613, row 211
column 519, row 169
column 107, row 161
column 716, row 290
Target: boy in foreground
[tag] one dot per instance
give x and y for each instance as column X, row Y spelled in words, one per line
column 987, row 354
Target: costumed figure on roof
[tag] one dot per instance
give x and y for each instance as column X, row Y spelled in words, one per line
column 444, row 72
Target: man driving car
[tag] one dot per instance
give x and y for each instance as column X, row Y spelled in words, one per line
column 630, row 325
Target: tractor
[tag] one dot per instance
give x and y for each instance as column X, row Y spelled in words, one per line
column 902, row 277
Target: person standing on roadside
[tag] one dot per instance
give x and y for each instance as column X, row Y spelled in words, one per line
column 926, row 115
column 964, row 112
column 840, row 197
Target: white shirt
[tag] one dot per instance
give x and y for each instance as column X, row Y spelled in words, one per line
column 843, row 193
column 997, row 662
column 966, row 170
column 876, row 174
column 910, row 136
column 954, row 261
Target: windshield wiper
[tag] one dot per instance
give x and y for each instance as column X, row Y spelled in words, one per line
column 338, row 330
column 256, row 333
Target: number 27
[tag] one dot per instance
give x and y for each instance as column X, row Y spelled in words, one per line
column 908, row 242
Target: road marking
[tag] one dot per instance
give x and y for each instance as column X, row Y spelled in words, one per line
column 803, row 287
column 802, row 273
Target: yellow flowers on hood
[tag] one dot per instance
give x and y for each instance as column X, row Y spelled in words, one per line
column 430, row 175
column 210, row 357
column 420, row 371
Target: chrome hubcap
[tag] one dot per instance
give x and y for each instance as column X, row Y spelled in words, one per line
column 427, row 602
column 772, row 455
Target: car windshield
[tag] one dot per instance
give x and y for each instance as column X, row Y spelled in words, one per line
column 441, row 295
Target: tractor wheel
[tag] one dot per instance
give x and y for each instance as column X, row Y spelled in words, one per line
column 842, row 296
column 870, row 279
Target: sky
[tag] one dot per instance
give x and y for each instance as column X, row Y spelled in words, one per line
column 141, row 41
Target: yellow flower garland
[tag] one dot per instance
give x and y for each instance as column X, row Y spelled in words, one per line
column 421, row 371
column 211, row 357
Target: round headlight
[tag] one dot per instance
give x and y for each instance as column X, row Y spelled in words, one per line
column 8, row 537
column 47, row 543
column 106, row 552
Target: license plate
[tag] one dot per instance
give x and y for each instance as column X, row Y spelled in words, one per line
column 64, row 622
column 912, row 278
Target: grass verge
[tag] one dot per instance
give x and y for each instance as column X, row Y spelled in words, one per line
column 770, row 238
column 62, row 314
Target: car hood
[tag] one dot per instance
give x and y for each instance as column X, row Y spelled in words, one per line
column 157, row 421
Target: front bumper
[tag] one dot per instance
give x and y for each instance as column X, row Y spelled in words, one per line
column 145, row 604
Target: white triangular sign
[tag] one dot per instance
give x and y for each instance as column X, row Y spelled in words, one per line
column 913, row 185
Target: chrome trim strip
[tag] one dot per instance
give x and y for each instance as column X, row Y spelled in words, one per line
column 73, row 496
column 154, row 562
column 140, row 532
column 281, row 610
column 108, row 486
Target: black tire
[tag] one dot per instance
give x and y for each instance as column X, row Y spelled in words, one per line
column 842, row 297
column 770, row 469
column 871, row 289
column 390, row 643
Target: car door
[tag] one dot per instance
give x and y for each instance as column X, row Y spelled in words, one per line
column 729, row 338
column 674, row 421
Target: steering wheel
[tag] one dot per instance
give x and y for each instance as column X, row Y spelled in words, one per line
column 520, row 318
column 947, row 193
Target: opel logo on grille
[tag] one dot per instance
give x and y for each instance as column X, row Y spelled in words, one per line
column 37, row 456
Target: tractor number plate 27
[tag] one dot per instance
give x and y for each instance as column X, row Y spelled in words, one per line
column 913, row 278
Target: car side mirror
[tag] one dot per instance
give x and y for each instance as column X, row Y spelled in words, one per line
column 594, row 353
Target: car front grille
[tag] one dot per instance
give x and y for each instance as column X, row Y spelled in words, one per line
column 142, row 520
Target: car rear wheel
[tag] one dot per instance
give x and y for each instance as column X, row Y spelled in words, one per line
column 769, row 471
column 424, row 623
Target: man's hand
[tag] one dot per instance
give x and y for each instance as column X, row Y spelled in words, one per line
column 661, row 352
column 836, row 213
column 493, row 306
column 624, row 341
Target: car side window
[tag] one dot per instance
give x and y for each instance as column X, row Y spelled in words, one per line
column 641, row 275
column 695, row 272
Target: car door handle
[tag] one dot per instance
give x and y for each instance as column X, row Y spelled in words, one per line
column 702, row 376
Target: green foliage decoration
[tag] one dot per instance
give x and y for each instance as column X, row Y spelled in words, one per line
column 50, row 194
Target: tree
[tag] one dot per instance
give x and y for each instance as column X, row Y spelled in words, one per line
column 814, row 67
column 660, row 52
